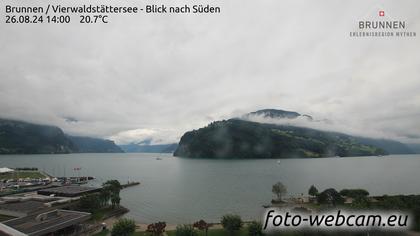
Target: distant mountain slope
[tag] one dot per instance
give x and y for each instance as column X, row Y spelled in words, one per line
column 94, row 145
column 415, row 147
column 17, row 137
column 390, row 146
column 236, row 138
column 159, row 148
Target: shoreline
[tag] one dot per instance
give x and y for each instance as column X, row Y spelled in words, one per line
column 141, row 226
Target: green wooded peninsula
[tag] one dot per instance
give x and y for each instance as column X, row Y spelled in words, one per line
column 239, row 138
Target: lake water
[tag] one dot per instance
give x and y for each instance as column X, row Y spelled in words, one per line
column 179, row 190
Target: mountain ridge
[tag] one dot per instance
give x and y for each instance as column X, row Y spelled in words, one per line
column 21, row 137
column 94, row 145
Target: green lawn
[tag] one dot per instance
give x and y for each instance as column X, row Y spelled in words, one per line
column 100, row 213
column 243, row 232
column 212, row 232
column 222, row 232
column 215, row 232
column 141, row 234
column 107, row 232
column 22, row 174
column 102, row 233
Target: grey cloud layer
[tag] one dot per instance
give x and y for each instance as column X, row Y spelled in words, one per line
column 159, row 76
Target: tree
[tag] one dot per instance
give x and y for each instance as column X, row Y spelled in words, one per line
column 115, row 200
column 354, row 193
column 231, row 223
column 123, row 227
column 156, row 229
column 90, row 202
column 279, row 190
column 104, row 197
column 360, row 202
column 185, row 230
column 313, row 191
column 111, row 190
column 255, row 229
column 202, row 225
column 112, row 186
column 330, row 196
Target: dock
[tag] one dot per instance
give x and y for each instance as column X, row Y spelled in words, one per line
column 129, row 184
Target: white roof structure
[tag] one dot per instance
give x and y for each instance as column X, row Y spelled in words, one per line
column 5, row 170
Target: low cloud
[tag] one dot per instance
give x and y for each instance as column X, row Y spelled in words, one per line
column 352, row 127
column 145, row 136
column 158, row 76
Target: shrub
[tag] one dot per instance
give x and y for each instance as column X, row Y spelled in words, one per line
column 89, row 202
column 202, row 225
column 185, row 230
column 279, row 190
column 231, row 223
column 123, row 227
column 354, row 193
column 330, row 196
column 255, row 229
column 156, row 229
column 313, row 191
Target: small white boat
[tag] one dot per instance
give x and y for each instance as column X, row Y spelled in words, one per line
column 278, row 162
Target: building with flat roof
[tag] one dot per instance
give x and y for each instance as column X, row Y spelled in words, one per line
column 22, row 208
column 68, row 191
column 54, row 222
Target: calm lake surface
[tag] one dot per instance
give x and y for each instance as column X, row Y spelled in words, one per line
column 179, row 190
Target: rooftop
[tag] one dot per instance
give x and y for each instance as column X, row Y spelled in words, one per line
column 68, row 191
column 47, row 222
column 23, row 206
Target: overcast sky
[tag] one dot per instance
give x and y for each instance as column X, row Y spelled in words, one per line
column 158, row 76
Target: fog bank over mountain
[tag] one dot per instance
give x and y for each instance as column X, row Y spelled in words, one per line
column 308, row 121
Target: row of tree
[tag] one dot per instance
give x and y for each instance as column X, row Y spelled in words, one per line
column 231, row 223
column 328, row 196
column 333, row 197
column 361, row 201
column 110, row 193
